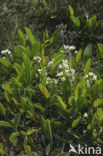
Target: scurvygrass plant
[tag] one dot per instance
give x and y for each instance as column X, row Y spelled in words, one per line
column 50, row 101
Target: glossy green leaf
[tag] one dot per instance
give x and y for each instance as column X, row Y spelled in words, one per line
column 87, row 52
column 30, row 35
column 76, row 122
column 92, row 21
column 27, row 149
column 98, row 102
column 22, row 37
column 78, row 56
column 5, row 62
column 56, row 62
column 2, row 110
column 100, row 47
column 13, row 137
column 48, row 131
column 44, row 90
column 35, row 49
column 71, row 10
column 17, row 121
column 61, row 103
column 76, row 21
column 5, row 124
column 87, row 66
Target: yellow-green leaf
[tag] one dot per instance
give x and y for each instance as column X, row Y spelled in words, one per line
column 44, row 90
column 62, row 105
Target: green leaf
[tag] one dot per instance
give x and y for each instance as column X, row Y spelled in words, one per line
column 48, row 131
column 27, row 149
column 45, row 3
column 98, row 102
column 19, row 50
column 31, row 131
column 61, row 104
column 44, row 90
column 78, row 56
column 71, row 10
column 33, row 154
column 22, row 37
column 13, row 137
column 100, row 47
column 62, row 154
column 76, row 21
column 1, row 150
column 47, row 150
column 7, row 88
column 30, row 35
column 87, row 52
column 39, row 106
column 5, row 124
column 55, row 37
column 28, row 73
column 76, row 122
column 5, row 62
column 17, row 121
column 35, row 49
column 58, row 59
column 17, row 67
column 35, row 2
column 2, row 110
column 87, row 66
column 92, row 21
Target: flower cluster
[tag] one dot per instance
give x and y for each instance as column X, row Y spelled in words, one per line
column 7, row 51
column 51, row 80
column 67, row 49
column 65, row 71
column 50, row 63
column 37, row 58
column 90, row 77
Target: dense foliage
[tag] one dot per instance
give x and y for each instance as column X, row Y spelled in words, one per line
column 51, row 79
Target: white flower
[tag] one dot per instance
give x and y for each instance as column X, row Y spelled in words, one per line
column 6, row 51
column 88, row 83
column 37, row 58
column 66, row 47
column 71, row 48
column 55, row 81
column 3, row 57
column 85, row 115
column 48, row 80
column 76, row 52
column 72, row 71
column 60, row 74
column 60, row 66
column 39, row 70
column 62, row 51
column 91, row 74
column 50, row 63
column 65, row 63
column 63, row 79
